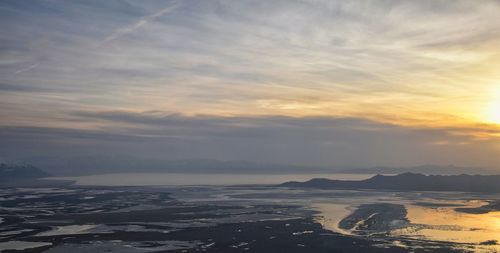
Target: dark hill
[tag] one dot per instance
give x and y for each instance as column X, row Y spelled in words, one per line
column 10, row 172
column 410, row 182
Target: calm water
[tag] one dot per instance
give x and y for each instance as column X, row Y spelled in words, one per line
column 156, row 179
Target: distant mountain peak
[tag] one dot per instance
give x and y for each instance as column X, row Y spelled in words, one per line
column 10, row 171
column 426, row 169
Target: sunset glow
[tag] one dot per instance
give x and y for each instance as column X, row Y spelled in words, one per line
column 492, row 113
column 426, row 68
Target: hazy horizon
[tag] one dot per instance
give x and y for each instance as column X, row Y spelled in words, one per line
column 121, row 164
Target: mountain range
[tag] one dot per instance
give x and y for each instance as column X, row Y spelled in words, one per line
column 409, row 182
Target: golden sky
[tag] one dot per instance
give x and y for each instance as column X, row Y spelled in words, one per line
column 419, row 65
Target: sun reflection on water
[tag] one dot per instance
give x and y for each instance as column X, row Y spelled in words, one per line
column 449, row 225
column 438, row 221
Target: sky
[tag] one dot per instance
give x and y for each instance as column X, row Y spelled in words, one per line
column 316, row 82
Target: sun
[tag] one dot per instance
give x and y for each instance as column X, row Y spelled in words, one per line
column 493, row 112
column 491, row 109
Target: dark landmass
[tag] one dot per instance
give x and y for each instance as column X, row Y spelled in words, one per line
column 410, row 182
column 436, row 205
column 12, row 175
column 490, row 242
column 490, row 207
column 374, row 218
column 424, row 169
column 14, row 172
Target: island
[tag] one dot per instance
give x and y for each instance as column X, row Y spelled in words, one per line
column 409, row 182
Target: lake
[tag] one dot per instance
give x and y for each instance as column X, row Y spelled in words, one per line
column 165, row 179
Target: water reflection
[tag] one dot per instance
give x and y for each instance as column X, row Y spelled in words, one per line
column 446, row 224
column 333, row 214
column 435, row 219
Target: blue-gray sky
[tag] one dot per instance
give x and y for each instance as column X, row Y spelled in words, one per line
column 338, row 83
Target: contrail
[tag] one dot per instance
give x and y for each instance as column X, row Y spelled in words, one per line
column 141, row 22
column 28, row 68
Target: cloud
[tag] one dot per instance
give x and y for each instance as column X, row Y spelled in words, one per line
column 28, row 68
column 274, row 80
column 139, row 23
column 325, row 141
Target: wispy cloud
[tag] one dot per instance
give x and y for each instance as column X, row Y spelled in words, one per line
column 139, row 23
column 422, row 65
column 27, row 68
